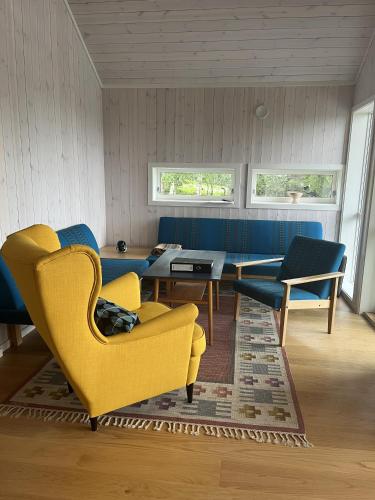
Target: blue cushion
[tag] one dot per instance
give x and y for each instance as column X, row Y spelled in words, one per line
column 307, row 257
column 10, row 296
column 270, row 292
column 80, row 234
column 15, row 316
column 114, row 268
column 235, row 235
column 271, row 269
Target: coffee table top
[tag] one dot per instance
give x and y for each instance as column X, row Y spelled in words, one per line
column 160, row 268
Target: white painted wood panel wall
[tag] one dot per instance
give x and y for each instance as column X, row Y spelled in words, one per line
column 51, row 134
column 306, row 124
column 365, row 87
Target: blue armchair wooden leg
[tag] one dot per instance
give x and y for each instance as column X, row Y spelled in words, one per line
column 14, row 335
column 332, row 306
column 284, row 315
column 237, row 300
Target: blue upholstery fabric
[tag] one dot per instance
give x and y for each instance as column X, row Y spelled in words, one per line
column 10, row 296
column 235, row 236
column 307, row 257
column 271, row 269
column 80, row 234
column 15, row 316
column 111, row 268
column 12, row 308
column 114, row 268
column 270, row 292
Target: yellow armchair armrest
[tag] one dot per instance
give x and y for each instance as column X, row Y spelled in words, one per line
column 171, row 320
column 124, row 291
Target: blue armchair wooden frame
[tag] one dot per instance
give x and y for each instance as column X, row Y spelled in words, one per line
column 316, row 288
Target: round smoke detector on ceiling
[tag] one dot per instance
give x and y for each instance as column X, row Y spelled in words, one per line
column 261, row 112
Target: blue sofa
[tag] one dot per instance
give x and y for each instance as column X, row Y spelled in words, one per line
column 243, row 240
column 12, row 307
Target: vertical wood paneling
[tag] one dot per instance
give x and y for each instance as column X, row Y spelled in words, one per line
column 51, row 132
column 305, row 125
column 365, row 87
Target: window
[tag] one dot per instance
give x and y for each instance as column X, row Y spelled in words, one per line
column 294, row 186
column 190, row 184
column 353, row 215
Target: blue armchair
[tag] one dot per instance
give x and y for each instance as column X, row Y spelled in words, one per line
column 308, row 278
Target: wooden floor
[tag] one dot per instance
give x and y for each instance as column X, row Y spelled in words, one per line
column 335, row 380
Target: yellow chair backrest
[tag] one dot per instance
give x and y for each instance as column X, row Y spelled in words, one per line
column 60, row 287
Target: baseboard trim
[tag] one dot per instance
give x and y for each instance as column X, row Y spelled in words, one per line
column 370, row 317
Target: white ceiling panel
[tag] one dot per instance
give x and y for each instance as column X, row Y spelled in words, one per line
column 215, row 43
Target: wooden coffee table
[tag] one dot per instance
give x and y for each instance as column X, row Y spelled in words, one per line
column 185, row 287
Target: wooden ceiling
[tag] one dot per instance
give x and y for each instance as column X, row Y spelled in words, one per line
column 217, row 43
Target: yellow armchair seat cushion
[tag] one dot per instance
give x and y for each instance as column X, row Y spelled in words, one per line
column 150, row 310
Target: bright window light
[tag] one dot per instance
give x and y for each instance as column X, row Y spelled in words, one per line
column 194, row 184
column 313, row 187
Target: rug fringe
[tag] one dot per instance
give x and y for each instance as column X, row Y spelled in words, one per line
column 291, row 439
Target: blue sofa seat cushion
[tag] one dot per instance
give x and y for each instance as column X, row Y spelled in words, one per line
column 114, row 268
column 270, row 292
column 308, row 257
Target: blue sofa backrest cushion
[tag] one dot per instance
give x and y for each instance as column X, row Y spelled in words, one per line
column 308, row 257
column 235, row 235
column 80, row 234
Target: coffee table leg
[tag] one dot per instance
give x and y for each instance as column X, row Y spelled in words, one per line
column 217, row 295
column 156, row 290
column 210, row 314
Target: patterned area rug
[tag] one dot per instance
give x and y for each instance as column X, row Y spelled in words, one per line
column 244, row 388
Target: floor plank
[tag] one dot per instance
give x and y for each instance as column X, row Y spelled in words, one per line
column 334, row 377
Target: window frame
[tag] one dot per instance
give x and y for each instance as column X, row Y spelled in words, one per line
column 154, row 169
column 302, row 168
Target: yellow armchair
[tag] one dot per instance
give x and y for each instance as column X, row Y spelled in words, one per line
column 60, row 288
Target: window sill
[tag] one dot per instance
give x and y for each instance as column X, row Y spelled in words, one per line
column 186, row 203
column 295, row 206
